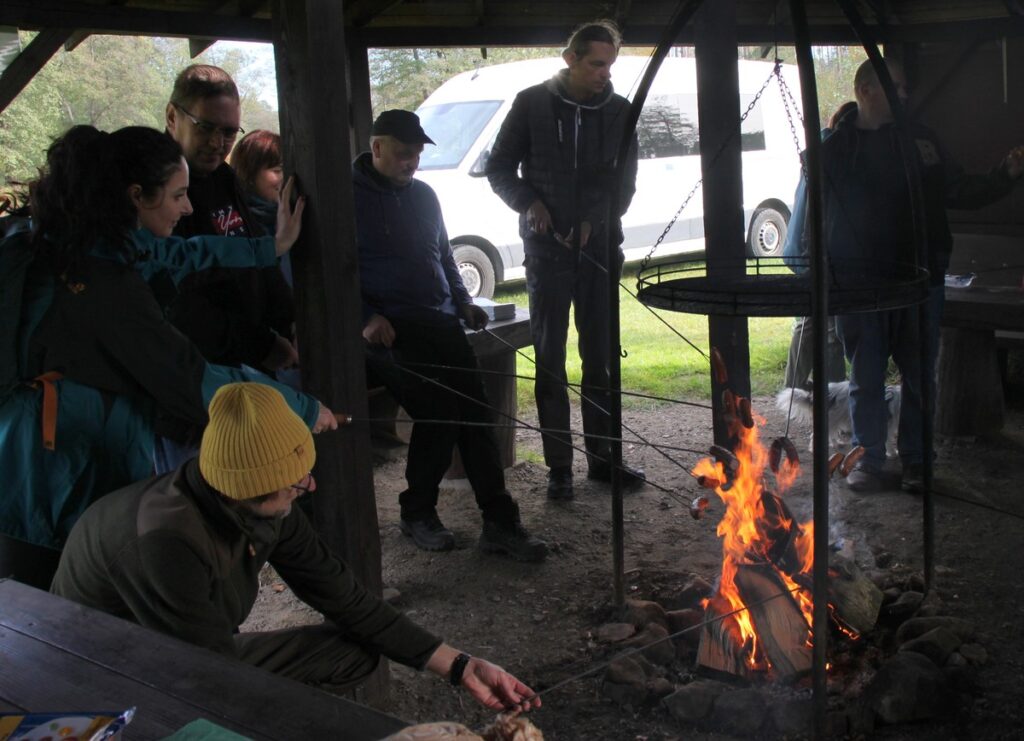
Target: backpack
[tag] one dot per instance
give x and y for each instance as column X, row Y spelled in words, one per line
column 17, row 255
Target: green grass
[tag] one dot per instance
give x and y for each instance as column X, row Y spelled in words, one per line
column 660, row 363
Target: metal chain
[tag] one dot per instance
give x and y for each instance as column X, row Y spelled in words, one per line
column 714, row 159
column 789, row 104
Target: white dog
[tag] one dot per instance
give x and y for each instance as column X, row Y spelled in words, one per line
column 840, row 427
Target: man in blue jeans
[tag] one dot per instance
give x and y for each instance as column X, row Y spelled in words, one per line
column 413, row 301
column 867, row 221
column 564, row 135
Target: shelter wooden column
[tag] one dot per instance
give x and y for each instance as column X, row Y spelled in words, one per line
column 311, row 61
column 718, row 109
column 360, row 106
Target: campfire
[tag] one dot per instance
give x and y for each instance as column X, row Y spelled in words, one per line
column 763, row 595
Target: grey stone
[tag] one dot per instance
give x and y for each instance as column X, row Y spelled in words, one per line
column 625, row 670
column 625, row 694
column 908, row 687
column 640, row 612
column 883, row 560
column 891, row 595
column 655, row 643
column 687, row 620
column 974, row 653
column 793, row 717
column 391, row 595
column 693, row 702
column 688, row 596
column 955, row 661
column 660, row 687
column 902, row 607
column 937, row 644
column 614, row 632
column 740, row 712
column 964, row 629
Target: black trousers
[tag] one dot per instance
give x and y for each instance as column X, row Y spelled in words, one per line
column 425, row 395
column 554, row 285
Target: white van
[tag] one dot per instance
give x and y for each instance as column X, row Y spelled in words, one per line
column 464, row 114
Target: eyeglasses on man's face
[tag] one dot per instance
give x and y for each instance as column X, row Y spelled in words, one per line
column 305, row 486
column 208, row 129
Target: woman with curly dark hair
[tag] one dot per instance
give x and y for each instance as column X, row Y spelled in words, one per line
column 96, row 365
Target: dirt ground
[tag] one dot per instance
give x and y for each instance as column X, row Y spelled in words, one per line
column 538, row 620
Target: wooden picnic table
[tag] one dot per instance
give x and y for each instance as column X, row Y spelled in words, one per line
column 56, row 656
column 976, row 320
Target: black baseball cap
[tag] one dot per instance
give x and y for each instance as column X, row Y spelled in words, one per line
column 403, row 125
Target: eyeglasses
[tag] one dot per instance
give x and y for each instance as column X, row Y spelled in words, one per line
column 208, row 129
column 305, row 486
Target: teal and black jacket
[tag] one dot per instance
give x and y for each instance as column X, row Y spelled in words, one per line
column 113, row 361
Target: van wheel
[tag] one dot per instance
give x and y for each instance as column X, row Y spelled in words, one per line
column 476, row 270
column 767, row 234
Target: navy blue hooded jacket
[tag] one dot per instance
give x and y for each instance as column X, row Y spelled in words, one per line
column 406, row 267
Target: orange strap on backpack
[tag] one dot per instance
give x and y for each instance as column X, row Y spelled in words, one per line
column 49, row 417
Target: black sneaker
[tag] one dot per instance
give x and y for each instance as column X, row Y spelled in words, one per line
column 631, row 478
column 429, row 533
column 513, row 541
column 560, row 483
column 913, row 478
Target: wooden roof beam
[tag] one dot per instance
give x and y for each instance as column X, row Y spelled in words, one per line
column 498, row 33
column 364, row 12
column 27, row 64
column 76, row 38
column 29, row 14
column 244, row 9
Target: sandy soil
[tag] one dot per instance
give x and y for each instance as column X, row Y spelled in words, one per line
column 538, row 620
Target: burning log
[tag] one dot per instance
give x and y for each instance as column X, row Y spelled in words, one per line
column 721, row 646
column 782, row 631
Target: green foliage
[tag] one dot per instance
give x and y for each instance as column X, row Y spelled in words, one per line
column 403, row 78
column 109, row 82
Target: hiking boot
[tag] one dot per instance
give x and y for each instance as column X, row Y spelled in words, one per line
column 629, row 477
column 913, row 478
column 512, row 540
column 864, row 481
column 428, row 534
column 560, row 483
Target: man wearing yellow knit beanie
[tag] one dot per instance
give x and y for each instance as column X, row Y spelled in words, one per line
column 182, row 553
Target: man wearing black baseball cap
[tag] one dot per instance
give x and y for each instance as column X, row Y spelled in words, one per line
column 413, row 301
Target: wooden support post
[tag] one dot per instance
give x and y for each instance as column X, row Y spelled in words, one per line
column 26, row 65
column 328, row 303
column 718, row 107
column 361, row 107
column 308, row 42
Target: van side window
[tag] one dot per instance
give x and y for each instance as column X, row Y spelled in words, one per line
column 668, row 127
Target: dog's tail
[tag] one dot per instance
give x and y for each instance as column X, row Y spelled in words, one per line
column 795, row 402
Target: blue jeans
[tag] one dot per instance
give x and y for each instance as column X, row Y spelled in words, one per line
column 869, row 340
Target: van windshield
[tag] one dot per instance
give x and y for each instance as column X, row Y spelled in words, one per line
column 454, row 127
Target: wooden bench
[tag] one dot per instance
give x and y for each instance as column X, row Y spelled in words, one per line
column 976, row 323
column 58, row 656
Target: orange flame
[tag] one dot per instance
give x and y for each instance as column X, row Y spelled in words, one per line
column 749, row 530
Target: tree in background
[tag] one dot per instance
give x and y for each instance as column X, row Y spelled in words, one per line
column 110, row 82
column 403, row 78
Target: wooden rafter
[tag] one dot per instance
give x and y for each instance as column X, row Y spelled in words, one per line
column 118, row 19
column 362, row 12
column 33, row 58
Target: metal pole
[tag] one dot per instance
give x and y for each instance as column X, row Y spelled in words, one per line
column 682, row 17
column 819, row 317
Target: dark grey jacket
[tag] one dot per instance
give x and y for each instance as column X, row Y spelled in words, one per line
column 567, row 154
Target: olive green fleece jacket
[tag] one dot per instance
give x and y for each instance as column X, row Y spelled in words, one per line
column 171, row 554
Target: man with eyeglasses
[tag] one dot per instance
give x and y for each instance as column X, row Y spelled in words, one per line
column 234, row 317
column 182, row 554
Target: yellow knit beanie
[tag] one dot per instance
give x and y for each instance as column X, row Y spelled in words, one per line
column 254, row 443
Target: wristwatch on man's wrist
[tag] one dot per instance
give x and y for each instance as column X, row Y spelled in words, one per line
column 458, row 667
